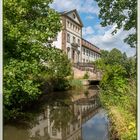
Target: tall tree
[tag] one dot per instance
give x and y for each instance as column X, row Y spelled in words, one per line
column 123, row 13
column 27, row 25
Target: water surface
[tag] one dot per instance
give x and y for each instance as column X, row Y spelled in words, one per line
column 72, row 115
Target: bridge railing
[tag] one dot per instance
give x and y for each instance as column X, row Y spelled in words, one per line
column 85, row 67
column 84, row 64
column 90, row 67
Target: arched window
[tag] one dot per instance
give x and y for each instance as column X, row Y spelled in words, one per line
column 68, row 37
column 68, row 23
column 68, row 52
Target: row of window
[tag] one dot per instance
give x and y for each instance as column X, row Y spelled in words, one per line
column 90, row 53
column 73, row 39
column 73, row 27
column 54, row 131
column 74, row 126
column 87, row 108
column 86, row 60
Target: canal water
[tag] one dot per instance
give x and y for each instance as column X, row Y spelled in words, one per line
column 72, row 115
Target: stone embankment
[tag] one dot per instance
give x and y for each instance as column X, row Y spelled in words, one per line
column 79, row 74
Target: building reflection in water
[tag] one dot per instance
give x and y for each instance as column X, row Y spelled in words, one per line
column 64, row 122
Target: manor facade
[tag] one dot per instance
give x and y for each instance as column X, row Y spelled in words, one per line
column 71, row 42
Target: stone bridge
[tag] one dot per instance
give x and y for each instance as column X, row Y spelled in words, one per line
column 80, row 69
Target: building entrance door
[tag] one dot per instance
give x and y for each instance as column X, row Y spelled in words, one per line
column 73, row 56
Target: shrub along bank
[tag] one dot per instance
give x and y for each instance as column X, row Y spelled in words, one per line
column 118, row 92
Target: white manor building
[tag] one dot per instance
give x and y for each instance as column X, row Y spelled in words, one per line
column 71, row 42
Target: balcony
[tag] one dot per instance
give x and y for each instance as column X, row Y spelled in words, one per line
column 74, row 44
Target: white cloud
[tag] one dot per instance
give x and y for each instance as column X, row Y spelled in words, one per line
column 89, row 17
column 87, row 31
column 108, row 41
column 99, row 119
column 100, row 30
column 100, row 36
column 83, row 6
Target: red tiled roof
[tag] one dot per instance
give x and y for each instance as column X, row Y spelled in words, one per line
column 90, row 46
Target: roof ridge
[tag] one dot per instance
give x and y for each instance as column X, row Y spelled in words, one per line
column 90, row 43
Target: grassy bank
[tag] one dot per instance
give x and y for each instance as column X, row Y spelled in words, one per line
column 122, row 113
column 118, row 93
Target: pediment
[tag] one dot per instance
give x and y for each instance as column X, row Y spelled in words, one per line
column 73, row 14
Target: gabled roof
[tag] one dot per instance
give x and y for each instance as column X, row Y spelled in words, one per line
column 91, row 46
column 65, row 13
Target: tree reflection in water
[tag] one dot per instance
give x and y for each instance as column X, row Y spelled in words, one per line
column 60, row 115
column 61, row 118
column 64, row 118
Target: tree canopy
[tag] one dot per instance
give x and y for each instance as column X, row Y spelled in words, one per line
column 27, row 25
column 123, row 13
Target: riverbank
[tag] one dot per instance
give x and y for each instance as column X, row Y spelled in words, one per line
column 118, row 92
column 122, row 114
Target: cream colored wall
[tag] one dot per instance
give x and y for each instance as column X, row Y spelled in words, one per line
column 89, row 58
column 74, row 33
column 68, row 44
column 71, row 29
column 78, row 35
column 39, row 127
column 58, row 42
column 75, row 19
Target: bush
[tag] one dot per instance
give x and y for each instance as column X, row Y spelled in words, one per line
column 61, row 84
column 24, row 52
column 76, row 84
column 86, row 75
column 118, row 92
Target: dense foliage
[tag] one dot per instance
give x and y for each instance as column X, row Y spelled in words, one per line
column 58, row 68
column 86, row 75
column 118, row 91
column 123, row 13
column 27, row 26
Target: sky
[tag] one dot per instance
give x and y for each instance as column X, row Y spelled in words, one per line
column 92, row 30
column 96, row 127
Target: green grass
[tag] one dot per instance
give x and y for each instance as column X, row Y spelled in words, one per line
column 86, row 75
column 76, row 84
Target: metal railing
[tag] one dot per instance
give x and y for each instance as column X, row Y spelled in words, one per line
column 85, row 67
column 84, row 64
